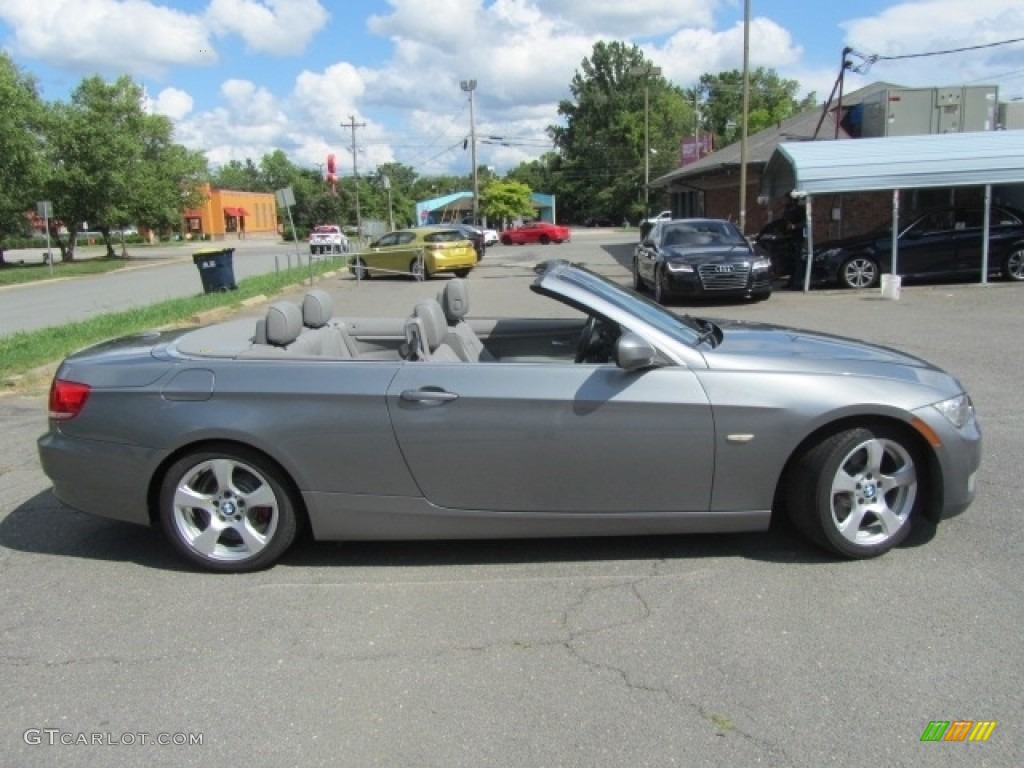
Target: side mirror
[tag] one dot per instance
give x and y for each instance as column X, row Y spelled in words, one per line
column 633, row 353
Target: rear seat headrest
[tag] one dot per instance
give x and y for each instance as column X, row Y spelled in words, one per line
column 284, row 323
column 431, row 316
column 454, row 299
column 316, row 308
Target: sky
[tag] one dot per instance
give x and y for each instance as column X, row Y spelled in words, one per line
column 241, row 78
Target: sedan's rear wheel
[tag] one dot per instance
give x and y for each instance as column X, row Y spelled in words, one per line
column 227, row 509
column 506, row 240
column 855, row 492
column 1013, row 266
column 859, row 272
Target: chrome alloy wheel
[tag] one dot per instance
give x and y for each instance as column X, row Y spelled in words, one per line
column 873, row 492
column 859, row 272
column 1014, row 268
column 225, row 510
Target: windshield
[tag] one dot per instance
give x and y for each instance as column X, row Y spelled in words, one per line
column 681, row 328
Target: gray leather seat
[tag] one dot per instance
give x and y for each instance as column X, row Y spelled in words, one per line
column 426, row 332
column 454, row 301
column 283, row 323
column 323, row 336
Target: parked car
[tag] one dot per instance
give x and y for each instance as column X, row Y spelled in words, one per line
column 598, row 221
column 327, row 238
column 233, row 437
column 700, row 257
column 541, row 232
column 939, row 243
column 490, row 235
column 420, row 251
column 474, row 235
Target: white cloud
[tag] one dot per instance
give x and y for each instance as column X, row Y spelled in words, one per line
column 275, row 27
column 107, row 35
column 172, row 102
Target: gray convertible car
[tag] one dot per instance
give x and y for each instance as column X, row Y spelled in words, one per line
column 626, row 420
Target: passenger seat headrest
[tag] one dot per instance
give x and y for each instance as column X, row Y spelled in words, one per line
column 284, row 323
column 316, row 308
column 454, row 300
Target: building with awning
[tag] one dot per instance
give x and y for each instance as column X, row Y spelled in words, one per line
column 227, row 213
column 458, row 205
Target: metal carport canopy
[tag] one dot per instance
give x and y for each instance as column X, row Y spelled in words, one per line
column 897, row 162
column 982, row 158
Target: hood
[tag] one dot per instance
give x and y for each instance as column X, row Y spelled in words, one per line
column 759, row 346
column 708, row 254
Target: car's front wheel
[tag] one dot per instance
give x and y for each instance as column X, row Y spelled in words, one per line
column 1013, row 264
column 227, row 509
column 855, row 491
column 360, row 270
column 638, row 282
column 859, row 272
column 661, row 291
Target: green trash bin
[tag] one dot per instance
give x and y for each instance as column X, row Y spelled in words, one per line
column 216, row 269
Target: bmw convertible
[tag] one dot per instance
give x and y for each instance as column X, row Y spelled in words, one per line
column 625, row 419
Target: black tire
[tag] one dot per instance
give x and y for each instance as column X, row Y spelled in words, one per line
column 544, row 239
column 461, row 272
column 661, row 292
column 419, row 270
column 215, row 491
column 638, row 282
column 360, row 271
column 1013, row 264
column 506, row 240
column 859, row 272
column 855, row 492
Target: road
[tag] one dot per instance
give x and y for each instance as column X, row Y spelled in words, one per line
column 733, row 650
column 155, row 274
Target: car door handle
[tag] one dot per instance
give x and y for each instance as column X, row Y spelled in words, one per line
column 438, row 396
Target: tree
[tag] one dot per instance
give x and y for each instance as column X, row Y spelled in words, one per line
column 22, row 122
column 772, row 100
column 603, row 139
column 504, row 200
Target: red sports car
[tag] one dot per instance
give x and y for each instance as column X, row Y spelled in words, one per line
column 535, row 232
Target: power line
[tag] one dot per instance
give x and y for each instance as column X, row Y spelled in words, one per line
column 870, row 59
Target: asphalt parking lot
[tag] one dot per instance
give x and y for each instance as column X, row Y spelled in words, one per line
column 692, row 651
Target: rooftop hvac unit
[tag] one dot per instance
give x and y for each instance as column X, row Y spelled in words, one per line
column 917, row 111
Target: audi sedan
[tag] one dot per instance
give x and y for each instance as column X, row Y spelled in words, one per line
column 621, row 419
column 700, row 258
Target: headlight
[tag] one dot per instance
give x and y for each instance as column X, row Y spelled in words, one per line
column 761, row 264
column 676, row 266
column 959, row 410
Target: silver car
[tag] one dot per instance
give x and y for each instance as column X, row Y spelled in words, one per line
column 626, row 420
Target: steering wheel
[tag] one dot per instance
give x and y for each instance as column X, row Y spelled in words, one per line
column 586, row 336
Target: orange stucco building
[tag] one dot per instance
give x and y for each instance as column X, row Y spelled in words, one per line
column 228, row 213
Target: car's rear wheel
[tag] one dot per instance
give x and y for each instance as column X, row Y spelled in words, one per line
column 461, row 272
column 360, row 270
column 855, row 491
column 227, row 509
column 1013, row 264
column 506, row 240
column 859, row 272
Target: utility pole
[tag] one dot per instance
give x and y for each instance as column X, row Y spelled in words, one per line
column 744, row 121
column 355, row 170
column 646, row 73
column 470, row 86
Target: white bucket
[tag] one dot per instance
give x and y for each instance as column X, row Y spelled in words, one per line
column 891, row 286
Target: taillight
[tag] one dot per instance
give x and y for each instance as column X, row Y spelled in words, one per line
column 67, row 398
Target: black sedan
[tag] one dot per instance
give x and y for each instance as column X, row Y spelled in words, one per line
column 941, row 243
column 700, row 258
column 474, row 235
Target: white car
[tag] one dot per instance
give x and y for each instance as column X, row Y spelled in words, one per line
column 663, row 216
column 490, row 236
column 327, row 238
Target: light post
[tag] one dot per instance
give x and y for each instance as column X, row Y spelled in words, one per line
column 646, row 72
column 386, row 183
column 470, row 86
column 746, row 109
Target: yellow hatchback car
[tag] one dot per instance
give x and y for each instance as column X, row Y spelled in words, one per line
column 420, row 251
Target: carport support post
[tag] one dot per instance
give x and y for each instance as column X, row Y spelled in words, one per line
column 808, row 222
column 895, row 231
column 985, row 230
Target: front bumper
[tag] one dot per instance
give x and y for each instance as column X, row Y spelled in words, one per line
column 745, row 282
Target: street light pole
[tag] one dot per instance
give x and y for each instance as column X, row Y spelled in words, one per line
column 470, row 86
column 746, row 109
column 646, row 72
